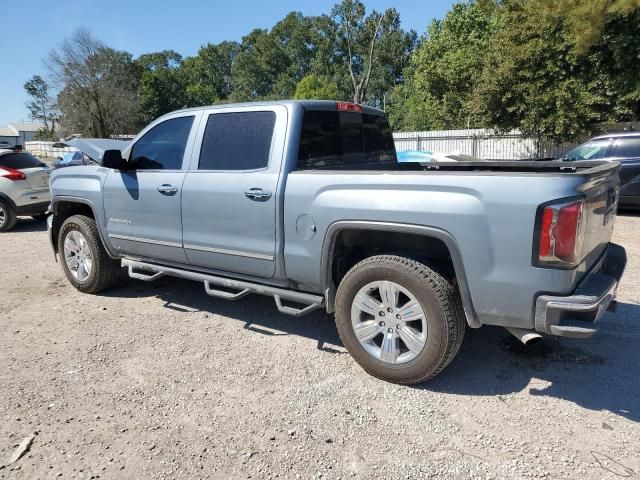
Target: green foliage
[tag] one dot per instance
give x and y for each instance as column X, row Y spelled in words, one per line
column 42, row 106
column 444, row 71
column 161, row 86
column 208, row 75
column 317, row 88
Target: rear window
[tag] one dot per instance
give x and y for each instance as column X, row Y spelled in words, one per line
column 627, row 148
column 333, row 139
column 237, row 141
column 18, row 161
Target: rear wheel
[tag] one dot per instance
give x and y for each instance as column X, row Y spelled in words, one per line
column 85, row 262
column 7, row 217
column 400, row 320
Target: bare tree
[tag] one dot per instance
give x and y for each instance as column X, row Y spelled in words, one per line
column 359, row 38
column 41, row 106
column 97, row 86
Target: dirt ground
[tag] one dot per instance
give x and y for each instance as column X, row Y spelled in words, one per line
column 161, row 381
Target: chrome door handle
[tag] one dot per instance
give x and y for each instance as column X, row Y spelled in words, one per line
column 167, row 189
column 257, row 194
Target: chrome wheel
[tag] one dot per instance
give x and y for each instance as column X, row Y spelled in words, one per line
column 389, row 322
column 77, row 255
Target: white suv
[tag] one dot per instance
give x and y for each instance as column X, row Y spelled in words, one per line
column 24, row 187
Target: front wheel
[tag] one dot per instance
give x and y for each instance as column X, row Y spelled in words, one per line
column 399, row 319
column 85, row 262
column 7, row 217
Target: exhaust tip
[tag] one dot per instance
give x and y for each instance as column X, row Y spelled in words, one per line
column 527, row 337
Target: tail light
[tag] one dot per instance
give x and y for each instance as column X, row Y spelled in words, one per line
column 11, row 174
column 348, row 107
column 561, row 234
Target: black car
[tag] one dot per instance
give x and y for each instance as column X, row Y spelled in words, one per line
column 616, row 147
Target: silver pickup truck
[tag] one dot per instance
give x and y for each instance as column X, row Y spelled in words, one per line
column 305, row 201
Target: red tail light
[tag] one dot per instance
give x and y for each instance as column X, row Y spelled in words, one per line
column 11, row 174
column 561, row 234
column 348, row 107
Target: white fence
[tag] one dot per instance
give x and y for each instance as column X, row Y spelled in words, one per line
column 46, row 149
column 481, row 143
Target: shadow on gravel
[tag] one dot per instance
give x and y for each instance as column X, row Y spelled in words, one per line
column 28, row 224
column 599, row 373
column 258, row 312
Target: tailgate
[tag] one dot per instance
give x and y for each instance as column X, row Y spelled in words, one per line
column 37, row 178
column 600, row 190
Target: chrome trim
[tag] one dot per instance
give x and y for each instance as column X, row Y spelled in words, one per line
column 237, row 253
column 145, row 240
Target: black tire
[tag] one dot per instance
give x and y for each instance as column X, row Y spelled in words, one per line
column 439, row 300
column 105, row 270
column 7, row 216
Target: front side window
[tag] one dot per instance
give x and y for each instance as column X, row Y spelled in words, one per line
column 627, row 148
column 333, row 139
column 162, row 147
column 589, row 151
column 237, row 141
column 19, row 161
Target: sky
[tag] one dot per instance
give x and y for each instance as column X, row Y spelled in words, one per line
column 142, row 26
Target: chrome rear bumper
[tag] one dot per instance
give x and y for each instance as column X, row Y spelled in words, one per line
column 577, row 314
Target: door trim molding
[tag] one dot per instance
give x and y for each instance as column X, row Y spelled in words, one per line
column 236, row 253
column 145, row 240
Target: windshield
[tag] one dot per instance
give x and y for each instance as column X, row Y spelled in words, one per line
column 592, row 150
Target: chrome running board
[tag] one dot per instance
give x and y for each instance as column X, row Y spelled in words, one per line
column 149, row 272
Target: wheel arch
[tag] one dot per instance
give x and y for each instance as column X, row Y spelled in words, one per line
column 5, row 198
column 395, row 230
column 65, row 207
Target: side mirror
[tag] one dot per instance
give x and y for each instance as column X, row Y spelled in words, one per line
column 113, row 159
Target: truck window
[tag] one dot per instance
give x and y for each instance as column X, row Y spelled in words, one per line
column 333, row 139
column 627, row 148
column 162, row 147
column 237, row 141
column 18, row 161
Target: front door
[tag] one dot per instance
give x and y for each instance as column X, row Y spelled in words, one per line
column 229, row 196
column 142, row 204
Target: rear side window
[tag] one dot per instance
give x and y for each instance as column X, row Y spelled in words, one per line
column 18, row 161
column 627, row 148
column 162, row 147
column 237, row 141
column 333, row 139
column 592, row 150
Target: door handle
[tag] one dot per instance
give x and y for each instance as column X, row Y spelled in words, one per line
column 167, row 189
column 257, row 194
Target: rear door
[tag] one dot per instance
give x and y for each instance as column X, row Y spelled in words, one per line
column 142, row 205
column 229, row 195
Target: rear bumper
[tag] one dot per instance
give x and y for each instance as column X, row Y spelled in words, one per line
column 576, row 315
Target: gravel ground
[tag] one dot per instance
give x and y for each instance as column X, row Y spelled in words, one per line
column 161, row 381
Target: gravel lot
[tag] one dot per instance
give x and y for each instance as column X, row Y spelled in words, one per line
column 161, row 381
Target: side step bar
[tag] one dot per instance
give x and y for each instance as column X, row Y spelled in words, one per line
column 149, row 272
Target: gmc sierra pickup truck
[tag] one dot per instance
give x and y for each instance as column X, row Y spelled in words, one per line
column 305, row 201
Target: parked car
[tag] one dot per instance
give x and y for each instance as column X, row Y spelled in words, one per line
column 305, row 201
column 90, row 151
column 24, row 187
column 615, row 147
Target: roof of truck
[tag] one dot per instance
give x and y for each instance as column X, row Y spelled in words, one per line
column 309, row 104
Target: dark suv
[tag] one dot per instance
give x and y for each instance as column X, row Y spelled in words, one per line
column 618, row 147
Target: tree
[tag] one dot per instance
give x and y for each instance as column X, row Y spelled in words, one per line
column 535, row 78
column 368, row 47
column 208, row 75
column 97, row 86
column 444, row 71
column 42, row 106
column 161, row 87
column 318, row 88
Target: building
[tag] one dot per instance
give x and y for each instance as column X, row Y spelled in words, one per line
column 19, row 133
